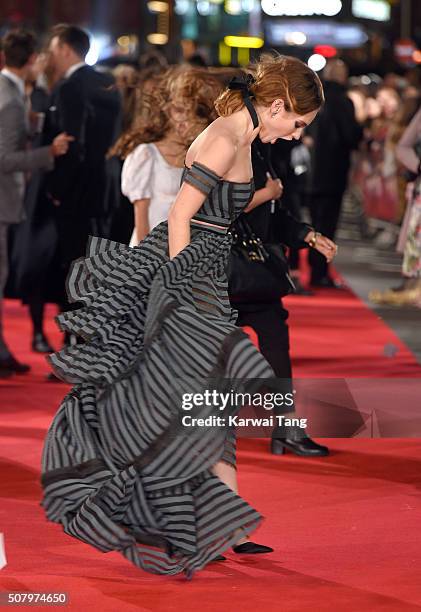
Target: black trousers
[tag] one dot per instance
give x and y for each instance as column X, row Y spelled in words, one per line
column 269, row 321
column 325, row 211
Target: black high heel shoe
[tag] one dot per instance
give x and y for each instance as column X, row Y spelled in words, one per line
column 250, row 548
column 302, row 447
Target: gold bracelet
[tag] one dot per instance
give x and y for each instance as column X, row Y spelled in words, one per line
column 313, row 241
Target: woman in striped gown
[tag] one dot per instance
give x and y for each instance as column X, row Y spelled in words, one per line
column 120, row 470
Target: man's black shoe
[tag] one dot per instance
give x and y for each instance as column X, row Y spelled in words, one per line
column 15, row 367
column 40, row 344
column 5, row 373
column 302, row 447
column 326, row 283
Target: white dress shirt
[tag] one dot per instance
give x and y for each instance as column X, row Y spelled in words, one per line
column 73, row 69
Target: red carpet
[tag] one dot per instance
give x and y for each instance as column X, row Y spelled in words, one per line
column 346, row 529
column 335, row 335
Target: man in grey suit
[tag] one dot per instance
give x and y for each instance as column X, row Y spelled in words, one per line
column 19, row 48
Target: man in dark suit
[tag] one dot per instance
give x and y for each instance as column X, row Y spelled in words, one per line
column 16, row 159
column 85, row 105
column 272, row 223
column 335, row 133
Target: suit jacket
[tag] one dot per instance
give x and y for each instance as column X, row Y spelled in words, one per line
column 280, row 226
column 336, row 133
column 86, row 106
column 15, row 158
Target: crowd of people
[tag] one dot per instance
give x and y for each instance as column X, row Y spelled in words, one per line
column 107, row 153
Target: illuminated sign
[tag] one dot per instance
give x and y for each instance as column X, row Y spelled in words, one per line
column 339, row 35
column 246, row 42
column 295, row 8
column 379, row 10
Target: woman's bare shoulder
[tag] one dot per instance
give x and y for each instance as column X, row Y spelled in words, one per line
column 215, row 147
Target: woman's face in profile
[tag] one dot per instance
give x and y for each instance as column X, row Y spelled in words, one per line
column 279, row 123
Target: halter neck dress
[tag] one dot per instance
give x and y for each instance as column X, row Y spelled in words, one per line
column 118, row 470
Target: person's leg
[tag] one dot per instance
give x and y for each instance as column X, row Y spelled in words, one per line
column 269, row 323
column 325, row 217
column 36, row 305
column 4, row 267
column 36, row 312
column 227, row 473
column 293, row 205
column 8, row 363
column 319, row 216
column 272, row 330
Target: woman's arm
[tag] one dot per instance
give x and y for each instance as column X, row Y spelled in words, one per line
column 136, row 185
column 217, row 154
column 141, row 221
column 271, row 191
column 405, row 151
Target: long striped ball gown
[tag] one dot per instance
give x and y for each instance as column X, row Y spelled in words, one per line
column 118, row 470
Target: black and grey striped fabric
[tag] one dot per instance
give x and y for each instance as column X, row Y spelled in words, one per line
column 119, row 471
column 225, row 199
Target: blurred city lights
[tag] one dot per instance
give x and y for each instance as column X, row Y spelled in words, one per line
column 127, row 44
column 316, row 62
column 416, row 56
column 232, row 7
column 295, row 38
column 243, row 56
column 123, row 41
column 317, row 32
column 247, row 5
column 325, row 50
column 293, row 8
column 157, row 6
column 245, row 42
column 224, row 54
column 100, row 47
column 157, row 38
column 205, row 8
column 378, row 10
column 181, row 7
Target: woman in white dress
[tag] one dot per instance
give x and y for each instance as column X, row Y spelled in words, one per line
column 173, row 113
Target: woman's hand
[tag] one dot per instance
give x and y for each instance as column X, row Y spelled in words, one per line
column 272, row 191
column 323, row 245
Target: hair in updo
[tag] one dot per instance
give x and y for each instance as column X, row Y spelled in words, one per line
column 277, row 76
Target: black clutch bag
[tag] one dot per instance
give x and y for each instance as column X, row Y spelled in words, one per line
column 257, row 271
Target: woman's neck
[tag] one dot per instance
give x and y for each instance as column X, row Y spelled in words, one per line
column 244, row 127
column 172, row 150
column 171, row 137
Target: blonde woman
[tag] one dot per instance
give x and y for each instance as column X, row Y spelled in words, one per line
column 121, row 469
column 176, row 108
